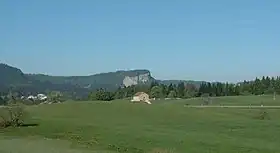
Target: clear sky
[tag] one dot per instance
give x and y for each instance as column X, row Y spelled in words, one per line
column 217, row 40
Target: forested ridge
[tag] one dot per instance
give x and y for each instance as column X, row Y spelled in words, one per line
column 107, row 86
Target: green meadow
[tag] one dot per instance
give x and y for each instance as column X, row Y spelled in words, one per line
column 166, row 126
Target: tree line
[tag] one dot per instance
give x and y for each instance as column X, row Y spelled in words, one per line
column 263, row 85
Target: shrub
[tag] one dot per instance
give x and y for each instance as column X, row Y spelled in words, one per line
column 12, row 115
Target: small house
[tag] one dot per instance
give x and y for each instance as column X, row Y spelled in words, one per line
column 141, row 97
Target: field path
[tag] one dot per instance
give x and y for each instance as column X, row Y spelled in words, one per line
column 209, row 106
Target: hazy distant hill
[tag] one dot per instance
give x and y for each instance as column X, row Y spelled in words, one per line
column 14, row 77
column 11, row 76
column 110, row 79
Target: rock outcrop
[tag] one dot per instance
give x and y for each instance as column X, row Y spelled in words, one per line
column 138, row 79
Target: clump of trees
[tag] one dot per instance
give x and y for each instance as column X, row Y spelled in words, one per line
column 102, row 94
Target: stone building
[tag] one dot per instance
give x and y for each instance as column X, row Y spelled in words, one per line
column 141, row 97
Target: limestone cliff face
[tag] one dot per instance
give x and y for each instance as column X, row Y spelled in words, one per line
column 138, row 79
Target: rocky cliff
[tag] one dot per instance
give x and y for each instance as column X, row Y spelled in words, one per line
column 138, row 79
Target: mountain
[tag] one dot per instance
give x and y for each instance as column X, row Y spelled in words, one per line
column 11, row 77
column 103, row 80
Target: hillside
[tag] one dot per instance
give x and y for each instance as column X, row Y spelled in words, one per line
column 33, row 83
column 10, row 75
column 13, row 78
column 110, row 79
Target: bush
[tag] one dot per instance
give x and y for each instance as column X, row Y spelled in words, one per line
column 12, row 115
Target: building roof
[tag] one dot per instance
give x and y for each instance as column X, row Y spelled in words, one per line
column 139, row 93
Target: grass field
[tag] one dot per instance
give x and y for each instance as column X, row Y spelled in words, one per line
column 163, row 127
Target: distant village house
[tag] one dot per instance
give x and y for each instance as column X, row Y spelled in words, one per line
column 141, row 97
column 40, row 97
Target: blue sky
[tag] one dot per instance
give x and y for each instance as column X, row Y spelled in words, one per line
column 217, row 40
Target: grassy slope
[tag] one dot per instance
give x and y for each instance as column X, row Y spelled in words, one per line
column 104, row 127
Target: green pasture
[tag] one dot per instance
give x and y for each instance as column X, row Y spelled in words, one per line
column 163, row 127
